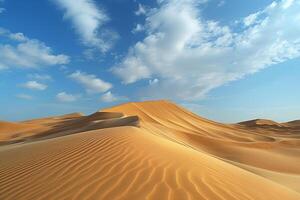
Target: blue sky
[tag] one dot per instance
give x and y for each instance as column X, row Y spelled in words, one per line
column 227, row 60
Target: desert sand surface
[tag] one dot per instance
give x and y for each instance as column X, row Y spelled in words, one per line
column 148, row 150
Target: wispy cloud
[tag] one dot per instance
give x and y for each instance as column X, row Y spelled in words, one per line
column 2, row 10
column 27, row 53
column 195, row 55
column 42, row 77
column 24, row 96
column 18, row 37
column 91, row 83
column 138, row 28
column 108, row 97
column 141, row 10
column 34, row 85
column 88, row 20
column 65, row 97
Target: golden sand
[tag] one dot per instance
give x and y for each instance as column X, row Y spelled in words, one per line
column 150, row 150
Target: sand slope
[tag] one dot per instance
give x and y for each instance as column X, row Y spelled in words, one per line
column 150, row 150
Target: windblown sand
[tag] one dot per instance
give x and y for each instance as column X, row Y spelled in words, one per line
column 150, row 150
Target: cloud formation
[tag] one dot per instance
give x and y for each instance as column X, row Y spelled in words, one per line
column 141, row 10
column 34, row 85
column 27, row 53
column 108, row 97
column 88, row 20
column 18, row 37
column 42, row 77
column 24, row 96
column 65, row 97
column 138, row 28
column 195, row 55
column 90, row 82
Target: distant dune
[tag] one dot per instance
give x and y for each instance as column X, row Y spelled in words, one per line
column 262, row 122
column 148, row 150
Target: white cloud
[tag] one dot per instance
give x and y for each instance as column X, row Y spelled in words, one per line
column 194, row 55
column 91, row 83
column 138, row 28
column 287, row 3
column 88, row 20
column 141, row 10
column 24, row 96
column 18, row 37
column 34, row 85
column 89, row 54
column 43, row 77
column 111, row 97
column 65, row 97
column 108, row 97
column 251, row 19
column 27, row 53
column 154, row 81
column 131, row 70
column 2, row 10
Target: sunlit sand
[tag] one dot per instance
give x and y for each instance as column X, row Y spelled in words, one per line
column 148, row 150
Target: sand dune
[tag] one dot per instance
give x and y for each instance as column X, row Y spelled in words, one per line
column 262, row 122
column 61, row 125
column 149, row 150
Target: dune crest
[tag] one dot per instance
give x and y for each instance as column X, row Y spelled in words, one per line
column 148, row 150
column 262, row 122
column 51, row 127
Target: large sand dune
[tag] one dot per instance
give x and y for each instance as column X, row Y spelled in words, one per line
column 150, row 150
